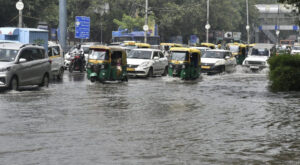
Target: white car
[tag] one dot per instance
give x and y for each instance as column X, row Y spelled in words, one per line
column 146, row 63
column 55, row 53
column 258, row 56
column 295, row 50
column 217, row 61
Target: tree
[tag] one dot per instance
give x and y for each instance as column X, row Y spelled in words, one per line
column 130, row 23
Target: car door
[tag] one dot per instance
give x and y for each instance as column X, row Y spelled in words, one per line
column 25, row 69
column 156, row 63
column 163, row 62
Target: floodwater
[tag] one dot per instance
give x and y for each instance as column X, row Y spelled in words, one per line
column 221, row 119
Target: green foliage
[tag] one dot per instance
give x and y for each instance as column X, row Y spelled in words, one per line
column 130, row 23
column 285, row 73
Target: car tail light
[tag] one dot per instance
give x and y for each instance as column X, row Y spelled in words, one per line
column 50, row 61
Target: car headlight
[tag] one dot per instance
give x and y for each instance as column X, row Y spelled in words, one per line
column 145, row 64
column 220, row 62
column 4, row 69
column 246, row 63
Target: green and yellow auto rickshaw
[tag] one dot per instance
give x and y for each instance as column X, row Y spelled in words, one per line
column 107, row 63
column 185, row 63
column 239, row 51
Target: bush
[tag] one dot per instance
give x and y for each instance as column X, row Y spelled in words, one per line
column 285, row 73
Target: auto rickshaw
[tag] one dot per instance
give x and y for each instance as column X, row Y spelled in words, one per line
column 142, row 45
column 165, row 47
column 239, row 51
column 209, row 45
column 107, row 63
column 185, row 63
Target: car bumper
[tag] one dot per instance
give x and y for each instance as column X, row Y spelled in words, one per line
column 4, row 83
column 212, row 69
column 137, row 72
column 255, row 67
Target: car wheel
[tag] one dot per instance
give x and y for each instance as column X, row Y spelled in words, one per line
column 60, row 74
column 45, row 81
column 14, row 84
column 165, row 71
column 222, row 69
column 150, row 72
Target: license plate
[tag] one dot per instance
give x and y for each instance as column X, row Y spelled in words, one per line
column 254, row 67
column 205, row 67
column 130, row 69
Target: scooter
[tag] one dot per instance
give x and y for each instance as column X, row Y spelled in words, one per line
column 77, row 63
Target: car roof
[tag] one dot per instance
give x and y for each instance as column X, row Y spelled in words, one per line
column 17, row 46
column 11, row 45
column 147, row 49
column 218, row 50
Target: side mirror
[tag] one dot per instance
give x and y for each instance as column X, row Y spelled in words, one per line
column 22, row 60
column 156, row 58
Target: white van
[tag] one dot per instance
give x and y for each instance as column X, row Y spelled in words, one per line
column 56, row 55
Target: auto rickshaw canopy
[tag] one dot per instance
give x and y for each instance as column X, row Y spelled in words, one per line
column 210, row 45
column 171, row 44
column 190, row 51
column 111, row 50
column 142, row 45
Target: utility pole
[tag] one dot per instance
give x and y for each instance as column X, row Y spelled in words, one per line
column 248, row 27
column 63, row 23
column 146, row 22
column 207, row 26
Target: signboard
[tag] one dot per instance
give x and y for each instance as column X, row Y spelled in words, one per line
column 228, row 35
column 82, row 27
column 237, row 35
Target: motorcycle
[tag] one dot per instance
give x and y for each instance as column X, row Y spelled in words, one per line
column 77, row 63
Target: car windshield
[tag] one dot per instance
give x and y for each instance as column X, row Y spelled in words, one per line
column 234, row 48
column 8, row 55
column 260, row 52
column 179, row 56
column 140, row 54
column 98, row 55
column 214, row 54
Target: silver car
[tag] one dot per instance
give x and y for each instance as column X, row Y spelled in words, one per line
column 22, row 65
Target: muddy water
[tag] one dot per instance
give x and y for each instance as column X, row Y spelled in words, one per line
column 221, row 119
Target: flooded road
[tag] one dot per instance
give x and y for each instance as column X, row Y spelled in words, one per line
column 222, row 119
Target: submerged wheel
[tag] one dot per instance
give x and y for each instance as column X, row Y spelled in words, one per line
column 93, row 79
column 60, row 74
column 45, row 81
column 150, row 72
column 14, row 84
column 165, row 71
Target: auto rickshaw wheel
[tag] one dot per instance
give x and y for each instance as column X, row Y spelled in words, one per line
column 93, row 79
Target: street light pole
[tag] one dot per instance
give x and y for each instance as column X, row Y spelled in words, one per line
column 63, row 23
column 146, row 22
column 248, row 27
column 20, row 7
column 207, row 27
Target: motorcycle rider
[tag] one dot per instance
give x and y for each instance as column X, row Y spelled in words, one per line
column 81, row 61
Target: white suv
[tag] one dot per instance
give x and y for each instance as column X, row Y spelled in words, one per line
column 23, row 64
column 146, row 63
